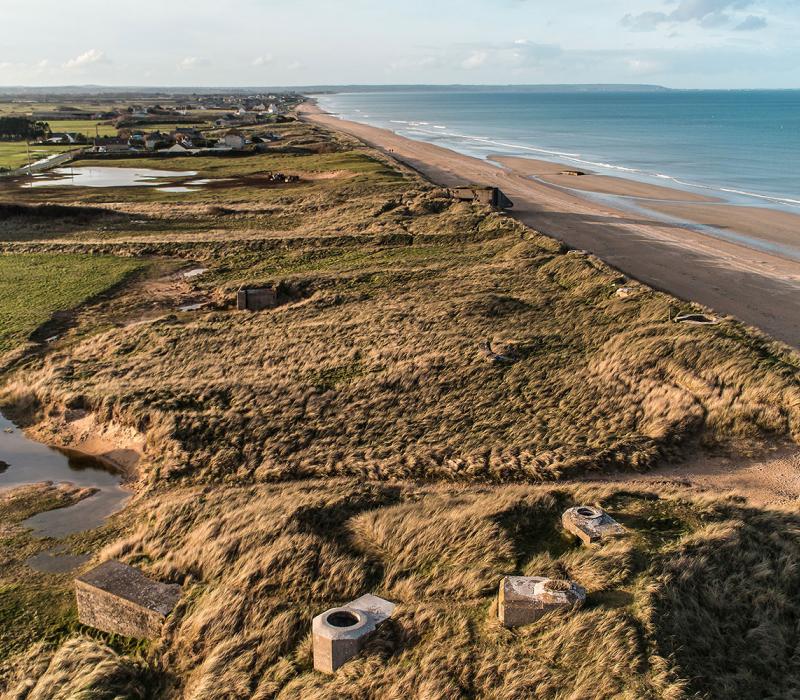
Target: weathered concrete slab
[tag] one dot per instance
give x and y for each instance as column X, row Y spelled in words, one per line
column 120, row 599
column 340, row 633
column 522, row 600
column 591, row 524
column 256, row 298
column 491, row 196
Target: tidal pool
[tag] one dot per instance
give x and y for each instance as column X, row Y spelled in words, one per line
column 30, row 462
column 100, row 176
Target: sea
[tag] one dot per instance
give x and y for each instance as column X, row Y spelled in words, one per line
column 742, row 146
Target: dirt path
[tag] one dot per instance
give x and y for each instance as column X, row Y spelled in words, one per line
column 759, row 288
column 768, row 480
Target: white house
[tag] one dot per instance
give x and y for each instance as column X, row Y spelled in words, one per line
column 234, row 139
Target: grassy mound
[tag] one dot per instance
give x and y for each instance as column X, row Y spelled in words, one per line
column 696, row 601
column 377, row 371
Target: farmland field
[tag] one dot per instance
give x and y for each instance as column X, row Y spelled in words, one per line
column 14, row 154
column 83, row 126
column 33, row 287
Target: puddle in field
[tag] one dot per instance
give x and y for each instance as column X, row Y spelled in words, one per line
column 194, row 272
column 54, row 561
column 207, row 181
column 192, row 307
column 175, row 189
column 30, row 462
column 99, row 176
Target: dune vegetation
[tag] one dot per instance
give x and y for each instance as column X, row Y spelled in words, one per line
column 411, row 420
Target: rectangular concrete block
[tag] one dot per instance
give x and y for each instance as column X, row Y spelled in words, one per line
column 256, row 299
column 522, row 600
column 119, row 599
column 591, row 524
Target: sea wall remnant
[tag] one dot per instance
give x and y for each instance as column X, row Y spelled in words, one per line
column 590, row 524
column 340, row 633
column 522, row 600
column 119, row 599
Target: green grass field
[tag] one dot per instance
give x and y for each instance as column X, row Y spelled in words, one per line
column 33, row 287
column 14, row 154
column 83, row 126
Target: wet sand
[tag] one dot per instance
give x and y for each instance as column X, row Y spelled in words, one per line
column 589, row 182
column 759, row 287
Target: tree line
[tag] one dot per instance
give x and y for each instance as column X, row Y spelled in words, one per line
column 22, row 128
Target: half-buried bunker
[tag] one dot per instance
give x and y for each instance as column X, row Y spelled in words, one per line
column 340, row 633
column 116, row 598
column 522, row 600
column 256, row 298
column 590, row 524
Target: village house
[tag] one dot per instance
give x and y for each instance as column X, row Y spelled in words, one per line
column 111, row 145
column 234, row 139
column 156, row 140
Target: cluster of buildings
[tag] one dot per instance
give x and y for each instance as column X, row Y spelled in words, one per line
column 183, row 140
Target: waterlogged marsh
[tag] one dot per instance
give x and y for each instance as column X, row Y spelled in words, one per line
column 28, row 462
column 101, row 176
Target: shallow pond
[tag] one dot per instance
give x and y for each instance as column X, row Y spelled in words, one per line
column 28, row 462
column 99, row 176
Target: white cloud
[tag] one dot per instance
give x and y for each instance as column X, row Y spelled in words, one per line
column 511, row 55
column 475, row 60
column 86, row 58
column 295, row 65
column 751, row 23
column 262, row 60
column 191, row 62
column 639, row 66
column 706, row 13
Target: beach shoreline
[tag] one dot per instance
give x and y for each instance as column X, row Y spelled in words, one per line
column 759, row 286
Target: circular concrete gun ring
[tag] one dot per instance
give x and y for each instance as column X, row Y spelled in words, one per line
column 345, row 620
column 589, row 512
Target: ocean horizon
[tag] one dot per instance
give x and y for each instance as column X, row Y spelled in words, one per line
column 741, row 146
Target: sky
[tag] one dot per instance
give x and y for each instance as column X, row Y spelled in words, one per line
column 676, row 43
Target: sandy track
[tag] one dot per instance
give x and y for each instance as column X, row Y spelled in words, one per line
column 759, row 288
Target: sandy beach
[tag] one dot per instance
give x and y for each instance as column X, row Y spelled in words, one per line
column 740, row 276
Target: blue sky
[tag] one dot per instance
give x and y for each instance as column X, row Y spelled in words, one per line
column 678, row 43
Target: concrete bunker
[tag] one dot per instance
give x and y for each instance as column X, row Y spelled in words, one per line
column 119, row 599
column 339, row 634
column 697, row 319
column 573, row 173
column 522, row 600
column 256, row 298
column 491, row 196
column 498, row 353
column 590, row 524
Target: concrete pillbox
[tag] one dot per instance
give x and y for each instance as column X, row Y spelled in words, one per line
column 522, row 600
column 117, row 598
column 340, row 633
column 590, row 524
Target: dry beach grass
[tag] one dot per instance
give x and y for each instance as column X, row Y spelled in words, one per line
column 670, row 614
column 293, row 459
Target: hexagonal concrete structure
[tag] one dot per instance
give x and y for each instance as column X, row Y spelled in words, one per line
column 591, row 524
column 116, row 598
column 522, row 600
column 340, row 633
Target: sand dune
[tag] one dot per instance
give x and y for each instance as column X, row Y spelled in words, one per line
column 759, row 287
